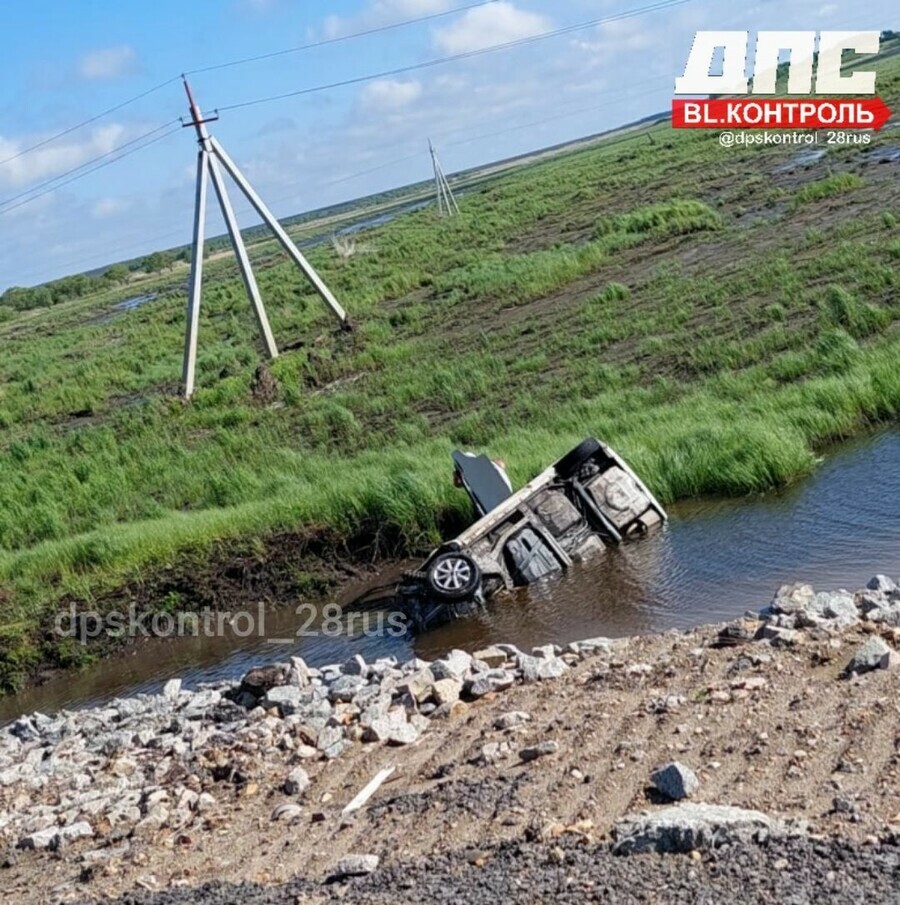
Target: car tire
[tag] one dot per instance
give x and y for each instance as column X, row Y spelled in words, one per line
column 454, row 576
column 570, row 464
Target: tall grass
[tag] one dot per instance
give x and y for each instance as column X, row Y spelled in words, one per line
column 669, row 218
column 828, row 187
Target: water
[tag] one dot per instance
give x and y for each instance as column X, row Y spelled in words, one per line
column 382, row 219
column 884, row 154
column 717, row 559
column 136, row 302
column 369, row 222
column 801, row 159
column 713, row 561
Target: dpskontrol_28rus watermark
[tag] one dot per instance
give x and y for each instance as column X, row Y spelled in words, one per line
column 729, row 139
column 311, row 621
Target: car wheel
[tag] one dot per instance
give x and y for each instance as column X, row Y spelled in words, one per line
column 570, row 464
column 454, row 576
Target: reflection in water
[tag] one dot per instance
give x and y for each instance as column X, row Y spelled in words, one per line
column 713, row 561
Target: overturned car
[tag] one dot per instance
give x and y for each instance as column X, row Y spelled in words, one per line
column 585, row 501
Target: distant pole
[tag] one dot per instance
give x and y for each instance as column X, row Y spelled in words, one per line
column 209, row 159
column 446, row 202
column 437, row 179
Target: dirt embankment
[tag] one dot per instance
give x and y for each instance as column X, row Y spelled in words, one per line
column 235, row 574
column 512, row 774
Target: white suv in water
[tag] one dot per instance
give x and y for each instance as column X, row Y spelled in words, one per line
column 588, row 499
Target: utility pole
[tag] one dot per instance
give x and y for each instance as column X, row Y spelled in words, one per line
column 446, row 202
column 211, row 159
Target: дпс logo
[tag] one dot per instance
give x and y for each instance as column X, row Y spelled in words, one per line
column 806, row 74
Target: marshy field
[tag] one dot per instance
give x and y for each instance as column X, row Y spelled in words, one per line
column 716, row 314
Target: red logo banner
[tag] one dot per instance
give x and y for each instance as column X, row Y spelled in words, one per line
column 780, row 113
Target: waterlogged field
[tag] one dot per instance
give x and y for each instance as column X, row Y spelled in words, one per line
column 715, row 314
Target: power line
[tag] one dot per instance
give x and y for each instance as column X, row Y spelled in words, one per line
column 238, row 62
column 441, row 136
column 396, row 161
column 87, row 163
column 110, row 253
column 325, row 42
column 466, row 55
column 548, row 119
column 99, row 166
column 87, row 122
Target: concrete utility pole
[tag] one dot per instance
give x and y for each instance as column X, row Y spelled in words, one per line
column 209, row 159
column 445, row 200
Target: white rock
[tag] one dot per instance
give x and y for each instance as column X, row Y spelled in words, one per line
column 511, row 720
column 355, row 866
column 446, row 691
column 690, row 827
column 80, row 830
column 297, row 781
column 874, row 654
column 493, row 656
column 40, row 839
column 454, row 665
column 287, row 812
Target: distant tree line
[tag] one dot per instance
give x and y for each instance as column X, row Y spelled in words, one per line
column 24, row 298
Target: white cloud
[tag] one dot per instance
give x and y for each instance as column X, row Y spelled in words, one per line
column 109, row 63
column 391, row 94
column 104, row 208
column 55, row 158
column 383, row 12
column 630, row 34
column 485, row 26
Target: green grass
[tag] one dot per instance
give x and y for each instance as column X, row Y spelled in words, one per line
column 828, row 187
column 691, row 306
column 670, row 218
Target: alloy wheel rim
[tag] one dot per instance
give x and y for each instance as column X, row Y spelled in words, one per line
column 452, row 574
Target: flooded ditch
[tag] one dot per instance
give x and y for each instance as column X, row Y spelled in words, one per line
column 713, row 561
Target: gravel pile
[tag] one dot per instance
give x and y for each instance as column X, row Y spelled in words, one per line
column 793, row 871
column 118, row 787
column 150, row 763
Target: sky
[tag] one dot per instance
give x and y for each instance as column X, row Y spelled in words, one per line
column 66, row 61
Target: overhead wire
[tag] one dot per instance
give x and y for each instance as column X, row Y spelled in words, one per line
column 532, row 39
column 99, row 166
column 37, row 191
column 87, row 163
column 87, row 122
column 452, row 58
column 114, row 155
column 339, row 38
column 238, row 62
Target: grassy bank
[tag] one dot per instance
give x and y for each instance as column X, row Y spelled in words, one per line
column 714, row 314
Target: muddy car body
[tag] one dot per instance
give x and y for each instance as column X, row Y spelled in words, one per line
column 585, row 501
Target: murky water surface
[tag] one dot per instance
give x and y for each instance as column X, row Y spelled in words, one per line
column 713, row 561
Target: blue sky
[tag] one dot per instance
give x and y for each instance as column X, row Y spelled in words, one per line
column 66, row 60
